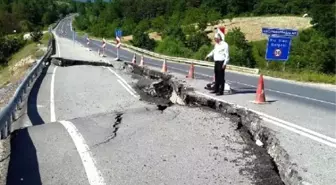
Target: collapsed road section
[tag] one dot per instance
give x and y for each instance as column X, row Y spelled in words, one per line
column 199, row 140
column 258, row 140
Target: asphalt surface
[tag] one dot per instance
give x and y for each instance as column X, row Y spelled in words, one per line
column 311, row 108
column 87, row 125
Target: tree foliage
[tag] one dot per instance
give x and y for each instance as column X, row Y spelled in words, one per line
column 20, row 16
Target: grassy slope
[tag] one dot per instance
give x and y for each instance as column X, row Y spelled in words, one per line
column 31, row 49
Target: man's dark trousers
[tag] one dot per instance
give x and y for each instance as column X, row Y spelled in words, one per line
column 219, row 76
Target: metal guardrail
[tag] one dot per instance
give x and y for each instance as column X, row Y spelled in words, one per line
column 11, row 112
column 189, row 61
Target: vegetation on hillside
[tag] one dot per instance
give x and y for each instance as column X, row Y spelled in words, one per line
column 20, row 16
column 313, row 51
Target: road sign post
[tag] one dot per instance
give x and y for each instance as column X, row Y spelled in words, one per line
column 279, row 44
column 118, row 34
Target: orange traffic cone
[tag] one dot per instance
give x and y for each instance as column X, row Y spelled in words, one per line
column 260, row 97
column 142, row 61
column 134, row 59
column 191, row 71
column 164, row 66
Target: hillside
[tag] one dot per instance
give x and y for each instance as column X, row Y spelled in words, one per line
column 251, row 26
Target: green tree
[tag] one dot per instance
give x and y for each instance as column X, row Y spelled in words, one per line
column 36, row 35
column 196, row 40
column 158, row 23
column 241, row 52
column 142, row 40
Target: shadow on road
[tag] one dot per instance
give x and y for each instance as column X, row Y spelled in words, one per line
column 32, row 109
column 244, row 90
column 23, row 165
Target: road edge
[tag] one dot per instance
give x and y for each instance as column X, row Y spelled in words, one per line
column 262, row 135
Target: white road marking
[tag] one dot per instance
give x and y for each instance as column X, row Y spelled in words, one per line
column 124, row 81
column 287, row 125
column 128, row 90
column 289, row 94
column 59, row 48
column 93, row 174
column 52, row 97
column 320, row 140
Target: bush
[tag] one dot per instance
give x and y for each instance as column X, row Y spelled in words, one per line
column 170, row 46
column 8, row 46
column 258, row 53
column 36, row 35
column 196, row 40
column 240, row 50
column 202, row 52
column 142, row 40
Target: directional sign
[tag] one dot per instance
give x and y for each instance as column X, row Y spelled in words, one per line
column 278, row 48
column 280, row 32
column 118, row 33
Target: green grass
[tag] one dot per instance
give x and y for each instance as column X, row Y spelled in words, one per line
column 304, row 76
column 30, row 49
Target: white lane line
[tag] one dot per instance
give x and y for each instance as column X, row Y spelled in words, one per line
column 70, row 23
column 93, row 174
column 312, row 137
column 289, row 94
column 59, row 48
column 287, row 125
column 52, row 97
column 128, row 90
column 124, row 81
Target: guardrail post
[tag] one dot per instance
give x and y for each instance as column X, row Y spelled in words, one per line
column 15, row 113
column 9, row 124
column 4, row 131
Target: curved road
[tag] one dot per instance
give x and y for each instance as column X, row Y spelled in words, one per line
column 302, row 116
column 86, row 125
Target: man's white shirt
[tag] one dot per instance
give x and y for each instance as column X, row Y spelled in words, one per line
column 220, row 52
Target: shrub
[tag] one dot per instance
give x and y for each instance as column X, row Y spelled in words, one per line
column 170, row 46
column 240, row 49
column 36, row 35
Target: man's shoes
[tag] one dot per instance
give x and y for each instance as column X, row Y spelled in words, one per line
column 214, row 92
column 219, row 93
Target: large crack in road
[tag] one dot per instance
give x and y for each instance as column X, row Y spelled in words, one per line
column 269, row 164
column 269, row 157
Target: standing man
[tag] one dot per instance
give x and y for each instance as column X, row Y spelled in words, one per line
column 220, row 55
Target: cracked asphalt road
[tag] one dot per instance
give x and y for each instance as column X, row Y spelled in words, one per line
column 112, row 137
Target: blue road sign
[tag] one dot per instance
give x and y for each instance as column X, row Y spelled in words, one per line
column 278, row 48
column 280, row 32
column 118, row 33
